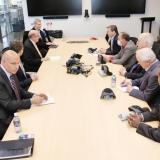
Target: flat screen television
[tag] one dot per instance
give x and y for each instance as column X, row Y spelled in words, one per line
column 54, row 7
column 118, row 6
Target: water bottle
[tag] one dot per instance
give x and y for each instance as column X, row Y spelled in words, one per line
column 17, row 123
column 113, row 81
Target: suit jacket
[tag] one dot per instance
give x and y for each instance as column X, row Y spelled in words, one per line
column 125, row 55
column 8, row 101
column 146, row 130
column 42, row 41
column 148, row 84
column 30, row 58
column 115, row 47
column 25, row 80
column 134, row 72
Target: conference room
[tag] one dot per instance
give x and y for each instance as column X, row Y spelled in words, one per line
column 94, row 72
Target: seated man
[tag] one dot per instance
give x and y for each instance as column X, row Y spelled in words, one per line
column 44, row 40
column 32, row 57
column 12, row 97
column 24, row 78
column 147, row 87
column 112, row 38
column 145, row 40
column 144, row 129
column 126, row 54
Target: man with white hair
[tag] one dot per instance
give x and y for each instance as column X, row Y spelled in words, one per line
column 32, row 57
column 44, row 41
column 12, row 96
column 145, row 40
column 146, row 87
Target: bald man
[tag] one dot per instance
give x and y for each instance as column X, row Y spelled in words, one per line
column 12, row 97
column 32, row 57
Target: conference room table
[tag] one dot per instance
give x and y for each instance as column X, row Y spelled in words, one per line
column 80, row 125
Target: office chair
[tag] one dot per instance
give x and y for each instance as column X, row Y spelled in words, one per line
column 25, row 36
column 134, row 39
column 156, row 49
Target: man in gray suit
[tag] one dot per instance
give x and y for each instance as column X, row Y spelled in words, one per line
column 12, row 96
column 145, row 88
column 128, row 49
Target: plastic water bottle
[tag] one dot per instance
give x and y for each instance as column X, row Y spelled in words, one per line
column 17, row 123
column 113, row 81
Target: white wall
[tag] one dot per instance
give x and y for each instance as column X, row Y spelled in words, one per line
column 78, row 26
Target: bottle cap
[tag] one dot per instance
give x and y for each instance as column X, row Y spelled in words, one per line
column 15, row 114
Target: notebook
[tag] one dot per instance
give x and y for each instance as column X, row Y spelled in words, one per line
column 16, row 148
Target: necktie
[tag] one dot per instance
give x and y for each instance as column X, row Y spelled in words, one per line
column 14, row 86
column 133, row 68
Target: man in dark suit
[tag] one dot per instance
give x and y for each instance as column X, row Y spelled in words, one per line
column 112, row 38
column 24, row 78
column 12, row 96
column 32, row 57
column 145, row 88
column 126, row 54
column 44, row 40
column 137, row 121
column 145, row 129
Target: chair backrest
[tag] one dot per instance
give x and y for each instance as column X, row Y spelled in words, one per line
column 156, row 49
column 25, row 36
column 134, row 39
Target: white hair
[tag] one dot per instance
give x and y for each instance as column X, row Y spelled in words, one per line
column 37, row 20
column 146, row 54
column 146, row 38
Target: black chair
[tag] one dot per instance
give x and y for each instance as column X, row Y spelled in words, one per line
column 156, row 49
column 134, row 39
column 25, row 36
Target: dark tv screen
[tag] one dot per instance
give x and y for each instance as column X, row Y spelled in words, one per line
column 118, row 6
column 54, row 7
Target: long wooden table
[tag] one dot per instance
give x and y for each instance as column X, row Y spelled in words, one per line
column 81, row 126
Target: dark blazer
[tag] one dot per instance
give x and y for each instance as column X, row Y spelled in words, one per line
column 148, row 84
column 134, row 72
column 8, row 101
column 115, row 47
column 125, row 55
column 30, row 58
column 25, row 81
column 43, row 39
column 154, row 115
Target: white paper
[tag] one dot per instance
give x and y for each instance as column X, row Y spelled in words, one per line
column 54, row 58
column 123, row 89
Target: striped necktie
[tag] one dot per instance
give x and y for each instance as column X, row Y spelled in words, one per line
column 14, row 86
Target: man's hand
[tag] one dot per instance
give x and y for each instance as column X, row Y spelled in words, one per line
column 102, row 51
column 129, row 88
column 122, row 71
column 107, row 58
column 37, row 99
column 34, row 76
column 125, row 83
column 45, row 59
column 134, row 120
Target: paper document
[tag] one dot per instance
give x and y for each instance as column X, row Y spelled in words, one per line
column 54, row 58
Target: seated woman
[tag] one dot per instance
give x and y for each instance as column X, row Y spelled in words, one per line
column 24, row 78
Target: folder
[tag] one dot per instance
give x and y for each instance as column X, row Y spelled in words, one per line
column 16, row 148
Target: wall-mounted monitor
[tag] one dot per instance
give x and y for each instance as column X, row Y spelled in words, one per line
column 54, row 7
column 118, row 6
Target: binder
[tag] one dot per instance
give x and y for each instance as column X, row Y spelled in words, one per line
column 16, row 148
